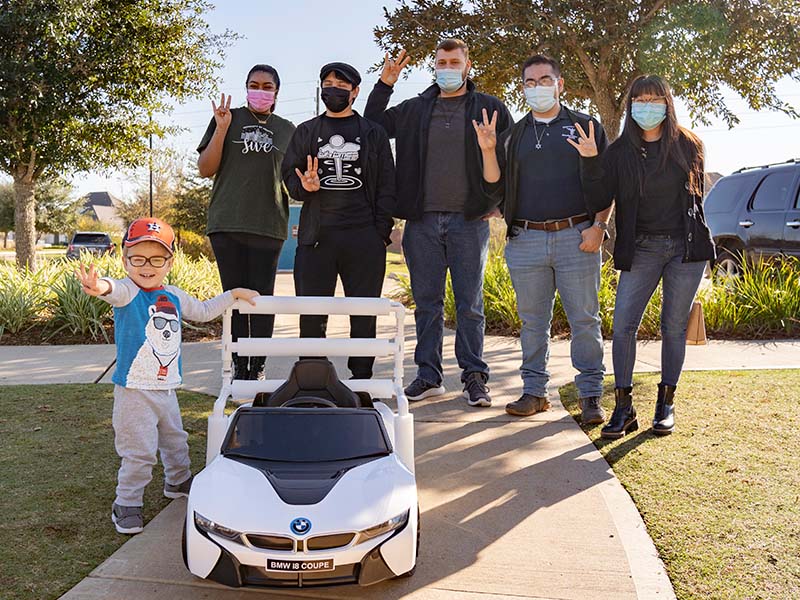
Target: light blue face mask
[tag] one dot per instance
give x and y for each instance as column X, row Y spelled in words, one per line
column 449, row 80
column 647, row 114
column 541, row 98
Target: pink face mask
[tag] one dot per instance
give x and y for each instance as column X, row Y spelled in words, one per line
column 260, row 100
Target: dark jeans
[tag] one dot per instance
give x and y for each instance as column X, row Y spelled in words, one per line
column 249, row 261
column 656, row 258
column 358, row 256
column 432, row 245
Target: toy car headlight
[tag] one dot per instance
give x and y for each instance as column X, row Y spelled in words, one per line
column 391, row 525
column 210, row 526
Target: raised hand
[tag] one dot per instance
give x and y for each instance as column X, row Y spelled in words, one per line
column 393, row 68
column 310, row 179
column 222, row 113
column 89, row 281
column 586, row 145
column 486, row 131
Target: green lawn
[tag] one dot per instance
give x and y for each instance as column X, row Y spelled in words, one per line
column 721, row 495
column 57, row 477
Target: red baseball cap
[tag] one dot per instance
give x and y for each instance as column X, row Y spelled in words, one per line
column 150, row 229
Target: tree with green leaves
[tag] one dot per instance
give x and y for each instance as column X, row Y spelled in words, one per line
column 190, row 209
column 57, row 210
column 79, row 79
column 699, row 46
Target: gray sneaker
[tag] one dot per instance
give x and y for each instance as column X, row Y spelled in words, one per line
column 178, row 491
column 127, row 519
column 419, row 390
column 476, row 391
column 527, row 405
column 591, row 411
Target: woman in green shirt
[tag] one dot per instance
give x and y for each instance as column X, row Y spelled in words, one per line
column 249, row 210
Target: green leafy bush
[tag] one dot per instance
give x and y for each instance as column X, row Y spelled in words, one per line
column 764, row 301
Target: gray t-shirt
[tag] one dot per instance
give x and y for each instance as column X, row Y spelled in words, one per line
column 248, row 194
column 446, row 185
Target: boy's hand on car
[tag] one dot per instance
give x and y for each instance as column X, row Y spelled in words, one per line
column 245, row 294
column 90, row 283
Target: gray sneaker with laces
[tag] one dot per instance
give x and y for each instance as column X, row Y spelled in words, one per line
column 178, row 491
column 127, row 519
column 419, row 390
column 476, row 391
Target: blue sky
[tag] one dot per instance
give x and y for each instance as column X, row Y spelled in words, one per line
column 297, row 37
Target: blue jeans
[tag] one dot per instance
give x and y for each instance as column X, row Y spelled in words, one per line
column 438, row 241
column 541, row 262
column 656, row 258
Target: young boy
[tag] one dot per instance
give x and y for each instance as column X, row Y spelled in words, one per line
column 147, row 332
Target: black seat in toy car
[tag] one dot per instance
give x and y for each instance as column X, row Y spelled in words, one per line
column 314, row 378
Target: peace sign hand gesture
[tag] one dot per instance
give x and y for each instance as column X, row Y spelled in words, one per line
column 586, row 145
column 310, row 179
column 222, row 113
column 90, row 283
column 392, row 68
column 486, row 131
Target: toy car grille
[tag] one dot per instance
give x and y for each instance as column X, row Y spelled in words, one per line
column 326, row 542
column 271, row 542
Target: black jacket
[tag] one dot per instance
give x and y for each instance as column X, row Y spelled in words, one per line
column 505, row 191
column 408, row 123
column 378, row 166
column 604, row 183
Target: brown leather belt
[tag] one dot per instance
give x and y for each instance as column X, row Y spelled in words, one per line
column 550, row 225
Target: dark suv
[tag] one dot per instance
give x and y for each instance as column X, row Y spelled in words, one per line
column 95, row 242
column 755, row 212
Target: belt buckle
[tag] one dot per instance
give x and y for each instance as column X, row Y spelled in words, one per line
column 551, row 226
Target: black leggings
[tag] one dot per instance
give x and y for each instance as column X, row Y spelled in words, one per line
column 250, row 261
column 358, row 256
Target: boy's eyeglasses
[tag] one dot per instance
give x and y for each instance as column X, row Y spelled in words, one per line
column 155, row 261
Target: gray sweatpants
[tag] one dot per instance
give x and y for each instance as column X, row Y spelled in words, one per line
column 146, row 422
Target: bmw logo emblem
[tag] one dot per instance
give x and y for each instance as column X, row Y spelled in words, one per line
column 300, row 526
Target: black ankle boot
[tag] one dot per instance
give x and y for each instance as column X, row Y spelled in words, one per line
column 623, row 419
column 664, row 419
column 256, row 368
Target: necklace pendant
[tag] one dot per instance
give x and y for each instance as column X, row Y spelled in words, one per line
column 447, row 125
column 538, row 146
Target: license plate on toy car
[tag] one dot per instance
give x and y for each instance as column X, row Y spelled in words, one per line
column 300, row 566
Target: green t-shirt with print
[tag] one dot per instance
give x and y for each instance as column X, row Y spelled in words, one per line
column 248, row 194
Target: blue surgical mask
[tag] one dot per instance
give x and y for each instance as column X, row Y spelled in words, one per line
column 449, row 80
column 541, row 98
column 647, row 114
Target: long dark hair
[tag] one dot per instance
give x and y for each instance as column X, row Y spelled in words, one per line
column 272, row 71
column 676, row 143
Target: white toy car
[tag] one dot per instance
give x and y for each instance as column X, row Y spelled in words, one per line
column 312, row 483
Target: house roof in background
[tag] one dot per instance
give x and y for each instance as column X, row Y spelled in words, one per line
column 101, row 199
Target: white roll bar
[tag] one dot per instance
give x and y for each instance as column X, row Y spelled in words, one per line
column 270, row 347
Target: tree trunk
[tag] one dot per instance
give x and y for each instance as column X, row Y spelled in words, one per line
column 25, row 222
column 5, row 240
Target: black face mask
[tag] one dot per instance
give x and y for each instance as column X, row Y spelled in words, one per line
column 336, row 99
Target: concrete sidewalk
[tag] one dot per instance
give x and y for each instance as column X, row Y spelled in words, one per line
column 511, row 508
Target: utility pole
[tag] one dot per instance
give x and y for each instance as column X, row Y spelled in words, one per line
column 150, row 162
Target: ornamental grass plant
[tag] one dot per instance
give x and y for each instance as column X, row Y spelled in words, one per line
column 52, row 298
column 762, row 302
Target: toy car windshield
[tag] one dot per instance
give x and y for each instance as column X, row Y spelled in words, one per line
column 309, row 436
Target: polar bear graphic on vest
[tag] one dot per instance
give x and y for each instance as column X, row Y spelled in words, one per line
column 156, row 363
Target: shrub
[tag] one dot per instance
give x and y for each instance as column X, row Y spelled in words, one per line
column 199, row 277
column 195, row 245
column 22, row 296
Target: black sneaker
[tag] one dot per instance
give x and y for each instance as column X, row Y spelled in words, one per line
column 475, row 390
column 419, row 390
